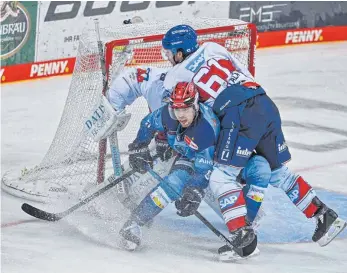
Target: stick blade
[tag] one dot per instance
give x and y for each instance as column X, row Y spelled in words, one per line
column 40, row 214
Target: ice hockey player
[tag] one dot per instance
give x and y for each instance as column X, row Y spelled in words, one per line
column 126, row 87
column 147, row 82
column 192, row 131
column 249, row 121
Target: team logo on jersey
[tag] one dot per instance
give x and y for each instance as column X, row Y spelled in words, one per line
column 196, row 63
column 190, row 143
column 142, row 74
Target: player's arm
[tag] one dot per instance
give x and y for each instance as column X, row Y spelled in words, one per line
column 150, row 124
column 124, row 89
column 194, row 192
column 129, row 85
column 157, row 121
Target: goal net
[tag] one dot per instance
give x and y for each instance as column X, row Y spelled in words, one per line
column 74, row 159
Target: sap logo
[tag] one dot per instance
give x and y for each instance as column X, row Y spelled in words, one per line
column 243, row 153
column 282, row 147
column 293, row 195
column 228, row 201
column 304, row 36
column 196, row 63
column 205, row 161
column 98, row 113
column 51, row 68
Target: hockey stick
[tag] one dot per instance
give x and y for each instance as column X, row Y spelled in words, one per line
column 48, row 216
column 116, row 161
column 52, row 217
column 203, row 219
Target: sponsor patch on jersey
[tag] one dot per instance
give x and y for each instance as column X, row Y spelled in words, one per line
column 256, row 193
column 228, row 201
column 243, row 152
column 282, row 147
column 142, row 74
column 160, row 198
column 196, row 63
column 190, row 143
column 293, row 194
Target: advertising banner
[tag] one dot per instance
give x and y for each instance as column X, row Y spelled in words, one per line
column 302, row 36
column 37, row 70
column 283, row 15
column 62, row 22
column 18, row 30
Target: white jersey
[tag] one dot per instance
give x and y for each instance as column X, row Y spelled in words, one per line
column 137, row 82
column 212, row 67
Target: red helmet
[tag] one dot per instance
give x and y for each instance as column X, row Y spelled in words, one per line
column 184, row 95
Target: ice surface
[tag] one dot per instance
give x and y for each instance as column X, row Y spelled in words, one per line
column 309, row 85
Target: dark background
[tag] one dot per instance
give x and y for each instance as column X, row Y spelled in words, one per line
column 274, row 15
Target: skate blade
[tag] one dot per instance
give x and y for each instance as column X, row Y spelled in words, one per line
column 336, row 228
column 232, row 256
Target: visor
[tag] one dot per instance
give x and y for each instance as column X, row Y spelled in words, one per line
column 173, row 111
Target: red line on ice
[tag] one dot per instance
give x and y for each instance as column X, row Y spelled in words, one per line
column 11, row 224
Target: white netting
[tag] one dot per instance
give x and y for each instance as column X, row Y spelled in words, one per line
column 72, row 159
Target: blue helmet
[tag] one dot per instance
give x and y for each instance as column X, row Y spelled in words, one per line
column 181, row 37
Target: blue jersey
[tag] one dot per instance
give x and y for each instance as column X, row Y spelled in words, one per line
column 195, row 144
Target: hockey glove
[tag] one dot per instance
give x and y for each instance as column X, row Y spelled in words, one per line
column 163, row 149
column 190, row 201
column 139, row 157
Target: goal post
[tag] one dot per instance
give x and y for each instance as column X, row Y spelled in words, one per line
column 74, row 159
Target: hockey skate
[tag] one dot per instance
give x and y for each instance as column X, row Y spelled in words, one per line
column 243, row 238
column 131, row 235
column 328, row 224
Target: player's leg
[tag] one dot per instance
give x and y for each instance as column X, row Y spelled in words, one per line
column 237, row 140
column 304, row 197
column 255, row 177
column 273, row 147
column 154, row 202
